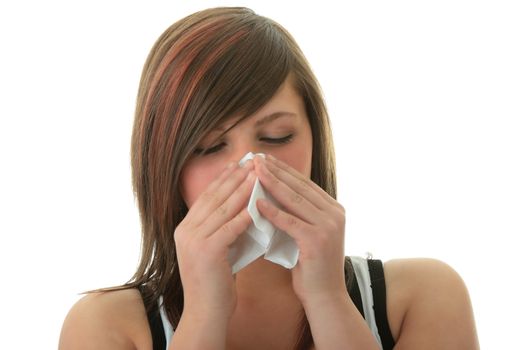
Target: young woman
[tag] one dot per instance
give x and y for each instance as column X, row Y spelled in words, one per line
column 218, row 84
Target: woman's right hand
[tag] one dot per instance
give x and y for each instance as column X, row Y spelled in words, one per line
column 202, row 241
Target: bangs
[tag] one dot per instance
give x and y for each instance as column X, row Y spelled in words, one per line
column 242, row 78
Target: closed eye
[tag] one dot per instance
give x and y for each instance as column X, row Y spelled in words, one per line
column 213, row 149
column 218, row 147
column 280, row 140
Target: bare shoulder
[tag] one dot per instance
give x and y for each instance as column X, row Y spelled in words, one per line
column 428, row 306
column 107, row 320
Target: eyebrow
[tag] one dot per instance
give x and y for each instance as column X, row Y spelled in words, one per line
column 262, row 121
column 271, row 117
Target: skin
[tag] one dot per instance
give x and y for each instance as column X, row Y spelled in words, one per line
column 258, row 308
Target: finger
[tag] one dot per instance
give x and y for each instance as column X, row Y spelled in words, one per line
column 272, row 161
column 225, row 174
column 298, row 202
column 231, row 230
column 229, row 208
column 231, row 170
column 217, row 192
column 292, row 178
column 228, row 169
column 284, row 221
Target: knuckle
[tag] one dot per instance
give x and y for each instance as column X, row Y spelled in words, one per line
column 239, row 218
column 226, row 229
column 222, row 209
column 210, row 197
column 248, row 184
column 292, row 221
column 179, row 234
column 273, row 179
column 338, row 219
column 340, row 207
column 177, row 238
column 278, row 172
column 304, row 185
column 296, row 198
column 272, row 176
column 241, row 174
column 341, row 220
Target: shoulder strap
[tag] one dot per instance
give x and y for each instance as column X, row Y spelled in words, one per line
column 377, row 277
column 353, row 286
column 155, row 322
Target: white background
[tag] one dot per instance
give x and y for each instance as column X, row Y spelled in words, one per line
column 427, row 100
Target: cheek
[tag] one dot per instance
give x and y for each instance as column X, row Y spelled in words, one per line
column 195, row 178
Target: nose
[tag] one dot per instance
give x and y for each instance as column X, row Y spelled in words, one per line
column 241, row 146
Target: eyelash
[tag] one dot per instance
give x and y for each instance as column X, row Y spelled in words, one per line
column 216, row 148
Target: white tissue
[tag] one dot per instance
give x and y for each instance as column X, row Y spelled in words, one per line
column 262, row 238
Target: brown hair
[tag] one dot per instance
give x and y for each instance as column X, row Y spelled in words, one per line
column 203, row 69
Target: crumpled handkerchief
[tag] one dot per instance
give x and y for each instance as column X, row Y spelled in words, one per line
column 262, row 237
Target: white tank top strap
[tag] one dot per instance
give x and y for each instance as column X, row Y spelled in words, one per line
column 166, row 324
column 362, row 274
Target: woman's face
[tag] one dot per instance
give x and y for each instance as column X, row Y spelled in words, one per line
column 279, row 128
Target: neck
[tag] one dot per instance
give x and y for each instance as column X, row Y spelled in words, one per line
column 267, row 307
column 263, row 280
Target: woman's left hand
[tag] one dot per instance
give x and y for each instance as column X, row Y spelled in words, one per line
column 316, row 222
